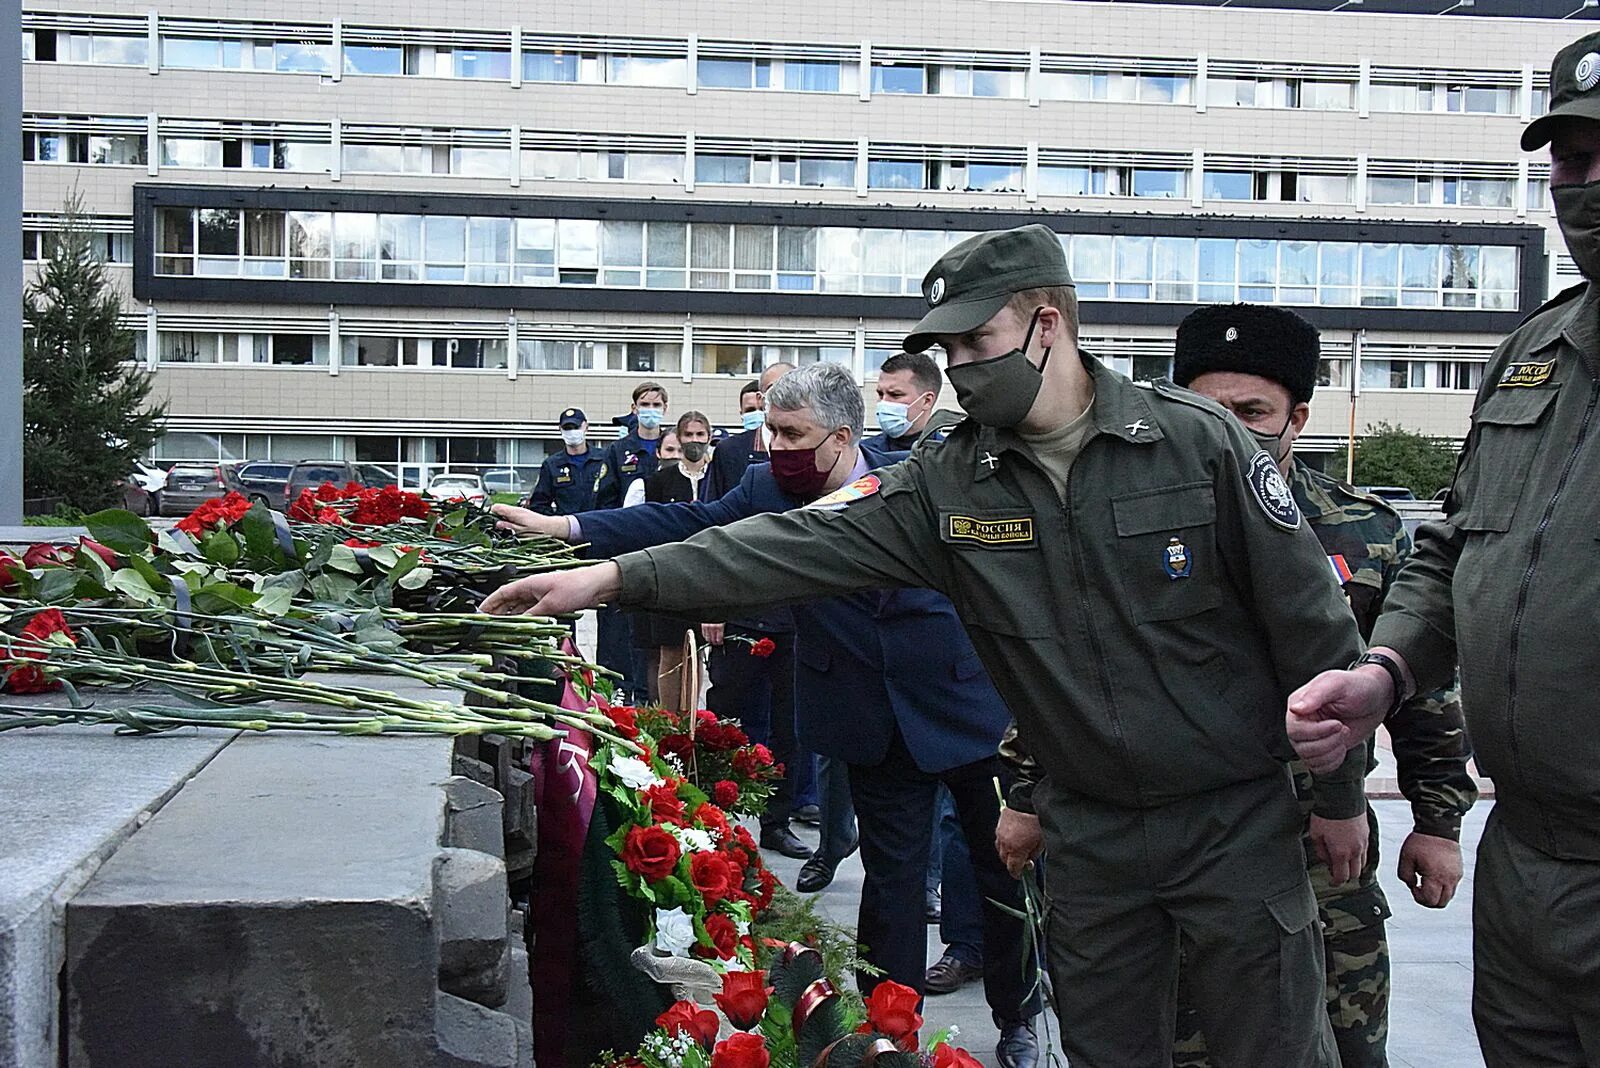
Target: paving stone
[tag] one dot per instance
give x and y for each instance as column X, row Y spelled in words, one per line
column 475, row 817
column 472, row 916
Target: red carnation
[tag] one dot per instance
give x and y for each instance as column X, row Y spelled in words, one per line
column 361, row 543
column 743, row 837
column 687, row 1018
column 712, row 875
column 892, row 1010
column 763, row 648
column 947, row 1056
column 27, row 677
column 626, row 720
column 742, row 1050
column 665, row 807
column 751, row 761
column 329, row 517
column 329, row 492
column 650, row 853
column 678, row 745
column 766, row 886
column 744, row 998
column 725, row 794
column 724, row 935
column 304, row 507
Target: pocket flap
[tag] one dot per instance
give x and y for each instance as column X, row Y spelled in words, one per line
column 1295, row 909
column 1515, row 407
column 1193, row 504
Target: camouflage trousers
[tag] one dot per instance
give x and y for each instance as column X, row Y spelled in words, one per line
column 1357, row 952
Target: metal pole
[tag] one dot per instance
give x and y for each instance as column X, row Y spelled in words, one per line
column 1355, row 391
column 10, row 266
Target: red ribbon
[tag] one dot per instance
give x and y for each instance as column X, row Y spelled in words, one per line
column 810, row 998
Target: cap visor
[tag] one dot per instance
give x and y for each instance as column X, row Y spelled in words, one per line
column 1537, row 133
column 956, row 317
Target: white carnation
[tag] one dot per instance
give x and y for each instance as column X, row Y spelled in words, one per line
column 634, row 773
column 674, row 932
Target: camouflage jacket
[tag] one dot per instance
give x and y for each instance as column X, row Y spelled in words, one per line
column 1366, row 535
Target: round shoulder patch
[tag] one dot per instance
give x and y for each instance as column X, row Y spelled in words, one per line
column 1272, row 492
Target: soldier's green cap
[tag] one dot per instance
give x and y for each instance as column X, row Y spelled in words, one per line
column 973, row 281
column 1574, row 90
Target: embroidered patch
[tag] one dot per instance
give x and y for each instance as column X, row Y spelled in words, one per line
column 1018, row 531
column 1526, row 374
column 865, row 486
column 564, row 476
column 1272, row 492
column 1177, row 561
column 1341, row 569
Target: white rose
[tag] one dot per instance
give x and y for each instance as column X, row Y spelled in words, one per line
column 693, row 839
column 634, row 773
column 674, row 932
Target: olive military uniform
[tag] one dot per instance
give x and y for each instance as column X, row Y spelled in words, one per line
column 1145, row 634
column 1508, row 583
column 1365, row 539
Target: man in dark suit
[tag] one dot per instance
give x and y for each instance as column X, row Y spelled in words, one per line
column 887, row 681
column 739, row 451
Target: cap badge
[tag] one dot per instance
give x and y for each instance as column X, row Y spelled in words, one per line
column 1232, row 334
column 936, row 291
column 1588, row 72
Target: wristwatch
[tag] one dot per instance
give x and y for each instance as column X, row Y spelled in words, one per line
column 1396, row 676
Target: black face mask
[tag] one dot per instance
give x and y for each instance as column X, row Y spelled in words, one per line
column 1578, row 215
column 695, row 451
column 1272, row 444
column 1000, row 391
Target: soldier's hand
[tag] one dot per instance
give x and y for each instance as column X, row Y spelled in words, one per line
column 712, row 632
column 1430, row 867
column 1018, row 839
column 556, row 591
column 527, row 521
column 1342, row 844
column 1334, row 712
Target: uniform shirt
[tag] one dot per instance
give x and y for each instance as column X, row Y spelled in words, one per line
column 628, row 459
column 1145, row 633
column 566, row 484
column 1508, row 582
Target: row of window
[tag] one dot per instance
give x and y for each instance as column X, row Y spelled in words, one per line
column 1380, row 374
column 485, row 250
column 1075, row 78
column 110, row 247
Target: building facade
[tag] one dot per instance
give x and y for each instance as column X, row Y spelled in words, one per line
column 410, row 235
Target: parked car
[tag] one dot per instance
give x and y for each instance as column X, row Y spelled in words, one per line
column 457, row 486
column 309, row 474
column 141, row 489
column 189, row 486
column 259, row 480
column 502, row 480
column 1391, row 493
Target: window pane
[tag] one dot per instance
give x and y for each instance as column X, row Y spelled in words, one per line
column 897, row 79
column 622, row 244
column 728, row 170
column 219, row 232
column 191, row 53
column 1174, row 268
column 726, row 73
column 1392, row 190
column 578, row 242
column 1499, row 267
column 1229, row 185
column 1072, row 181
column 891, row 174
column 828, row 173
column 1326, row 96
column 1380, row 265
column 374, row 59
column 1419, row 266
column 810, row 77
column 295, row 57
column 481, row 162
column 446, row 239
column 646, row 70
column 1160, row 183
column 481, row 63
column 994, row 177
column 669, row 244
column 549, row 67
column 190, row 152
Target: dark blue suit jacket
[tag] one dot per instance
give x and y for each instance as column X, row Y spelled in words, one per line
column 867, row 662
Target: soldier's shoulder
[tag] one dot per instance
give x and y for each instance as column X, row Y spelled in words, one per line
column 1541, row 328
column 1167, row 391
column 1560, row 300
column 1350, row 503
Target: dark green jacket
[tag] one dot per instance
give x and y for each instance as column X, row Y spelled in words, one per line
column 1509, row 582
column 1430, row 750
column 1128, row 685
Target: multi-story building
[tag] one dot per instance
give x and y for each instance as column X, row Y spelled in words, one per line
column 411, row 234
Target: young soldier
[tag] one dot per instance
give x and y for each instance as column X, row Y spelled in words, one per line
column 1261, row 364
column 1137, row 579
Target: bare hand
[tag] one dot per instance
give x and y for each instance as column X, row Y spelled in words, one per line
column 1336, row 711
column 1430, row 867
column 555, row 592
column 1018, row 839
column 1342, row 844
column 712, row 632
column 527, row 521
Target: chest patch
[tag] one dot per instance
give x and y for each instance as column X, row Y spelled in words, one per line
column 1017, row 531
column 1526, row 374
column 865, row 486
column 1272, row 492
column 564, row 476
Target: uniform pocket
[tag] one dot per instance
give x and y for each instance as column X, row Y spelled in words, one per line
column 1505, row 447
column 1301, row 976
column 1166, row 551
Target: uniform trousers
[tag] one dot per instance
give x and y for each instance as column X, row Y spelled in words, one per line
column 1535, row 954
column 1219, row 877
column 894, row 802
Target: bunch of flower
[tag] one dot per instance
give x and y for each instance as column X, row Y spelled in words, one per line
column 215, row 513
column 332, row 506
column 677, row 850
column 714, row 754
column 793, row 1017
column 21, row 674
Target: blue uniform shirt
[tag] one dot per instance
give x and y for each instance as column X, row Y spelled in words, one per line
column 567, row 483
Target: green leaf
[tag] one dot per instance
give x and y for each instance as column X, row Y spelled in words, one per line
column 384, row 555
column 120, row 530
column 88, row 589
column 293, row 581
column 132, row 585
column 219, row 547
column 260, row 534
column 405, row 565
column 156, row 579
column 172, row 546
column 343, row 558
column 335, row 589
column 274, row 602
column 89, row 560
column 416, row 578
column 319, row 556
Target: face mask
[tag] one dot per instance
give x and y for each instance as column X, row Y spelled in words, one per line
column 796, row 472
column 751, row 420
column 695, row 451
column 650, row 418
column 894, row 419
column 574, row 437
column 999, row 392
column 1578, row 215
column 1272, row 444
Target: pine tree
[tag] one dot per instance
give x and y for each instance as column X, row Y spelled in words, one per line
column 86, row 411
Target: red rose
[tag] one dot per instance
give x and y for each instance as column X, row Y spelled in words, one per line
column 724, row 935
column 664, row 804
column 892, row 1009
column 947, row 1056
column 677, row 745
column 650, row 853
column 725, row 794
column 744, row 998
column 712, row 876
column 626, row 720
column 763, row 648
column 41, row 555
column 687, row 1018
column 712, row 819
column 8, row 565
column 102, row 551
column 743, row 1050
